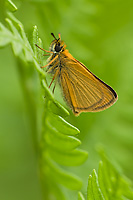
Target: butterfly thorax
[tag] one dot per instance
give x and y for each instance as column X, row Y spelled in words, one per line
column 58, row 54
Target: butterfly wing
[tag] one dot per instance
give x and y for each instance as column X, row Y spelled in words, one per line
column 83, row 91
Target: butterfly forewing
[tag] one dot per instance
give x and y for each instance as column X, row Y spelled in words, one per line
column 83, row 91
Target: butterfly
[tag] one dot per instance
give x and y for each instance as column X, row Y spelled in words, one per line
column 82, row 90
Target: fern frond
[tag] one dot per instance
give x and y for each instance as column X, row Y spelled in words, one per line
column 109, row 183
column 57, row 145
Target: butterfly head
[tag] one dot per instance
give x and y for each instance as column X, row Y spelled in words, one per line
column 57, row 45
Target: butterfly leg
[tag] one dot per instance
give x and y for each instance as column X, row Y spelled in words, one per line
column 55, row 75
column 54, row 86
column 51, row 68
column 50, row 62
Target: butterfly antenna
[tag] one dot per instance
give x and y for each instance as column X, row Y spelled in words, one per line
column 59, row 36
column 53, row 36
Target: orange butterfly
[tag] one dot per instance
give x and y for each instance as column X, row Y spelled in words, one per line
column 83, row 91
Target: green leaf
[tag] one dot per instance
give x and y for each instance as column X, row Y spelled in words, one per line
column 35, row 41
column 80, row 196
column 96, row 189
column 90, row 195
column 57, row 108
column 5, row 35
column 102, row 181
column 57, row 191
column 109, row 184
column 28, row 52
column 59, row 141
column 17, row 46
column 117, row 185
column 11, row 6
column 71, row 158
column 62, row 125
column 67, row 179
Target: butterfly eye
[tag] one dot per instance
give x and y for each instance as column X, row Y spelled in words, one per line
column 57, row 48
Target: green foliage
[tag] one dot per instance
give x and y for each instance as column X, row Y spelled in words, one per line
column 57, row 144
column 11, row 6
column 99, row 34
column 108, row 184
column 80, row 196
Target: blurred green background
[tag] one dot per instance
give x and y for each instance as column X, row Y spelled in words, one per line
column 99, row 34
